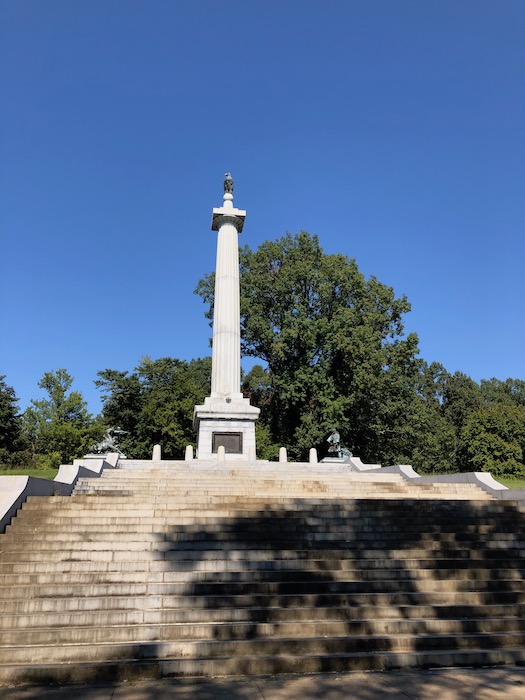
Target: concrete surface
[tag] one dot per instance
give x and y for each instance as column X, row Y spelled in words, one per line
column 449, row 684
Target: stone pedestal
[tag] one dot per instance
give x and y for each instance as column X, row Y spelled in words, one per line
column 227, row 423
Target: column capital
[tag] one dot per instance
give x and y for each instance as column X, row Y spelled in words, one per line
column 227, row 215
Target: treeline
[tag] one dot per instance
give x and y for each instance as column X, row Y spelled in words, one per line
column 334, row 354
column 154, row 404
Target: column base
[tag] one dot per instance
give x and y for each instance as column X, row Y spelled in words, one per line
column 229, row 422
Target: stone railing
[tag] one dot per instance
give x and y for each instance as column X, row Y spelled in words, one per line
column 14, row 490
column 484, row 480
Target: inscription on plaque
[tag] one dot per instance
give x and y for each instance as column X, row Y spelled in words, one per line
column 232, row 442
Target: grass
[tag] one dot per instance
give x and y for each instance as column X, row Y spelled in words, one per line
column 40, row 473
column 511, row 482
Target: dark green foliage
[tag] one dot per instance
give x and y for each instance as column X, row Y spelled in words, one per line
column 122, row 398
column 155, row 404
column 58, row 428
column 493, row 439
column 333, row 344
column 461, row 396
column 9, row 418
column 336, row 355
column 510, row 392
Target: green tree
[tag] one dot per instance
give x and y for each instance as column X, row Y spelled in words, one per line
column 122, row 404
column 493, row 439
column 58, row 426
column 9, row 418
column 461, row 396
column 172, row 388
column 333, row 346
column 510, row 392
column 428, row 437
column 155, row 403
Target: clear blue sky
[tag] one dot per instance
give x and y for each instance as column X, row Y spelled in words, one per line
column 395, row 130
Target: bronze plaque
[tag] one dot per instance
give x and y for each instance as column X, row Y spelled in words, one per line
column 232, row 442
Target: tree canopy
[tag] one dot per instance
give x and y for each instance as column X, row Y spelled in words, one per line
column 155, row 403
column 9, row 417
column 334, row 353
column 58, row 428
column 333, row 345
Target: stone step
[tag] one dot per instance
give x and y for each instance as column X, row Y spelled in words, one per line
column 269, row 534
column 229, row 485
column 188, row 615
column 353, row 510
column 150, row 480
column 269, row 531
column 284, row 475
column 356, row 511
column 244, row 560
column 238, row 570
column 212, row 496
column 491, row 552
column 153, row 482
column 350, row 508
column 290, row 472
column 238, row 648
column 381, row 522
column 244, row 502
column 166, row 528
column 172, row 550
column 218, row 481
column 292, row 585
column 281, row 490
column 378, row 522
column 227, row 631
column 80, row 672
column 33, row 524
column 237, row 574
column 125, row 601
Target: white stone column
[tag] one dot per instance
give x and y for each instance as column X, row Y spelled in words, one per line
column 226, row 350
column 225, row 423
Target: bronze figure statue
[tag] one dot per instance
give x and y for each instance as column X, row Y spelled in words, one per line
column 109, row 442
column 336, row 449
column 228, row 184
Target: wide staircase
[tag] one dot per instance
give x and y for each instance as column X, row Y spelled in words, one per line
column 214, row 569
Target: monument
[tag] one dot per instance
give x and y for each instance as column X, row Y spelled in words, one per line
column 226, row 419
column 109, row 442
column 336, row 452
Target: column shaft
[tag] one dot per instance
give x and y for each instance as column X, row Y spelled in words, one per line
column 226, row 350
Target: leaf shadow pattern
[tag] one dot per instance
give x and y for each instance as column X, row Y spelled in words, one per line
column 366, row 584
